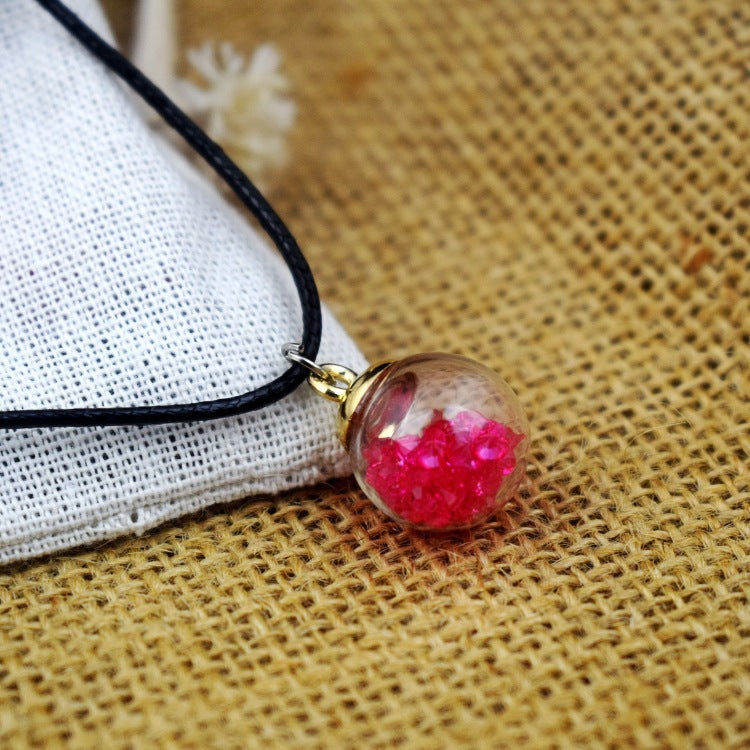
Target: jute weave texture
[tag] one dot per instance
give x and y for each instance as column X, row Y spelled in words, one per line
column 562, row 190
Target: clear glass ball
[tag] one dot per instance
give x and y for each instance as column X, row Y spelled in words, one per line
column 438, row 441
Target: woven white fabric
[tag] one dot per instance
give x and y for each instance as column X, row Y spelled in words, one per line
column 123, row 282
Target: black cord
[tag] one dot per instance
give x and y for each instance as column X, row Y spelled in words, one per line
column 252, row 199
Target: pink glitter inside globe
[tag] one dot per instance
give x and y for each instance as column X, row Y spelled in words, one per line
column 439, row 441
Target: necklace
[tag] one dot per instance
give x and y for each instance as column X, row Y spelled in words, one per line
column 437, row 441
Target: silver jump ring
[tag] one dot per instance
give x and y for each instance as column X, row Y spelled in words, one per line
column 293, row 352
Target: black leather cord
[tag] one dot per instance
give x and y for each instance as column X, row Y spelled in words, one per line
column 252, row 199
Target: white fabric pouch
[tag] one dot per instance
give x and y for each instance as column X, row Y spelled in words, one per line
column 126, row 281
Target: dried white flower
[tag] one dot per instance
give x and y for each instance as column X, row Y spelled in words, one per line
column 244, row 105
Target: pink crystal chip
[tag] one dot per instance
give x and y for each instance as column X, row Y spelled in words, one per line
column 449, row 475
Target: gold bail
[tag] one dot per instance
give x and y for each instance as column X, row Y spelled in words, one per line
column 327, row 380
column 336, row 383
column 333, row 383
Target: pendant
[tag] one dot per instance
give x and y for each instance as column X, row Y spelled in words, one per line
column 436, row 441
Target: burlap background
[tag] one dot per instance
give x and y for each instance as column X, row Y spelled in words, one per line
column 563, row 191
